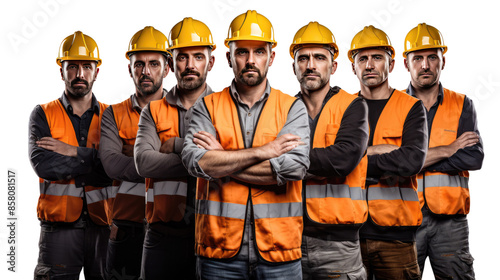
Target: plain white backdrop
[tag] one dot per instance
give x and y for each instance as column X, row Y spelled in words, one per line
column 31, row 32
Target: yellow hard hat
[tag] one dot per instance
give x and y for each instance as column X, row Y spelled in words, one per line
column 78, row 47
column 148, row 39
column 314, row 33
column 423, row 37
column 369, row 37
column 250, row 26
column 190, row 33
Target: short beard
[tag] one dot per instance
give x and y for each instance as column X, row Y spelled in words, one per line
column 191, row 84
column 149, row 91
column 310, row 85
column 253, row 81
column 78, row 92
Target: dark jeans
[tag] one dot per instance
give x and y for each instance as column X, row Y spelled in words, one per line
column 168, row 254
column 390, row 259
column 211, row 269
column 445, row 240
column 65, row 249
column 123, row 260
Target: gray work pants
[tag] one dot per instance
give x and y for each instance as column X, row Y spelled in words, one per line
column 65, row 249
column 445, row 240
column 327, row 259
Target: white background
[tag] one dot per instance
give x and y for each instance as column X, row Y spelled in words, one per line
column 31, row 32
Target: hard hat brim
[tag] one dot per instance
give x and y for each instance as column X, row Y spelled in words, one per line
column 127, row 54
column 425, row 47
column 59, row 60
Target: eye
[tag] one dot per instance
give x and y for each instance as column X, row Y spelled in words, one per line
column 87, row 67
column 181, row 58
column 362, row 59
column 139, row 65
column 241, row 52
column 199, row 57
column 433, row 57
column 303, row 59
column 260, row 52
column 155, row 64
column 71, row 67
column 417, row 58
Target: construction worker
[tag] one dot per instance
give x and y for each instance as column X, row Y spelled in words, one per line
column 396, row 152
column 63, row 145
column 148, row 67
column 334, row 191
column 249, row 146
column 454, row 148
column 169, row 242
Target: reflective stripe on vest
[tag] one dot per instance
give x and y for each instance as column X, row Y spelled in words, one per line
column 61, row 201
column 394, row 200
column 336, row 191
column 445, row 194
column 336, row 200
column 221, row 206
column 61, row 189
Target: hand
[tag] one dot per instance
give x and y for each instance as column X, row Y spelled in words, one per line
column 128, row 150
column 207, row 141
column 57, row 146
column 281, row 145
column 467, row 139
column 381, row 149
column 168, row 146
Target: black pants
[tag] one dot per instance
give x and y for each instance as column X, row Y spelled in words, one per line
column 65, row 249
column 168, row 254
column 123, row 260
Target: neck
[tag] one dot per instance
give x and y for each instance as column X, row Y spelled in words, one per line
column 427, row 95
column 80, row 104
column 382, row 91
column 251, row 94
column 313, row 99
column 189, row 97
column 143, row 100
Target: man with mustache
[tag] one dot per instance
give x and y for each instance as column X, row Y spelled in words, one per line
column 243, row 144
column 63, row 149
column 396, row 152
column 169, row 243
column 454, row 148
column 148, row 67
column 335, row 186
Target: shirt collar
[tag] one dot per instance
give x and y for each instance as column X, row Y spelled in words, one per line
column 94, row 107
column 333, row 90
column 135, row 103
column 172, row 96
column 236, row 95
column 411, row 91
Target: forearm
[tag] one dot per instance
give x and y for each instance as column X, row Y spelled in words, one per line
column 437, row 154
column 258, row 174
column 153, row 164
column 219, row 164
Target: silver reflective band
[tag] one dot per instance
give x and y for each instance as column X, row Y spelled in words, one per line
column 420, row 185
column 336, row 191
column 150, row 196
column 96, row 195
column 392, row 193
column 61, row 189
column 220, row 209
column 169, row 188
column 138, row 189
column 446, row 181
column 277, row 210
column 111, row 191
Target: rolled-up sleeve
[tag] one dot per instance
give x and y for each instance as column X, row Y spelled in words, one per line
column 149, row 161
column 191, row 153
column 293, row 165
column 117, row 165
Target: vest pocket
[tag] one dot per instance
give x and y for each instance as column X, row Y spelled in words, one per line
column 392, row 137
column 331, row 133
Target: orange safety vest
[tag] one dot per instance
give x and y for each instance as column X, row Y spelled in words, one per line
column 445, row 194
column 221, row 205
column 166, row 199
column 127, row 199
column 62, row 200
column 393, row 201
column 336, row 200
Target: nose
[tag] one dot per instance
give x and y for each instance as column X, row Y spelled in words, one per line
column 251, row 58
column 311, row 64
column 190, row 63
column 80, row 74
column 369, row 63
column 425, row 63
column 145, row 70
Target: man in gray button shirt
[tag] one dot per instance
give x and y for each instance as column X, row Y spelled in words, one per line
column 249, row 147
column 148, row 67
column 169, row 242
